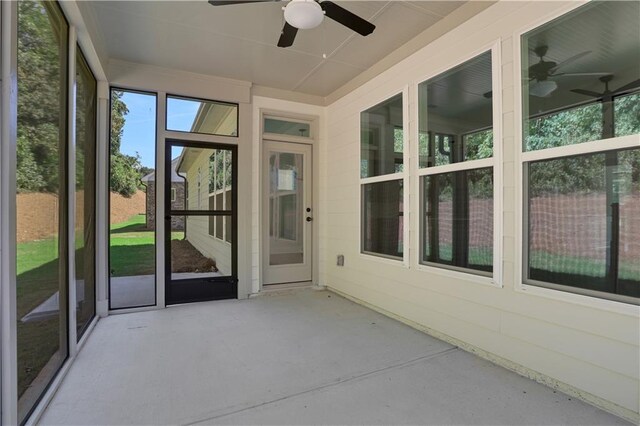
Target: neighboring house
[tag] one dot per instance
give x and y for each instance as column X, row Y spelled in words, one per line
column 177, row 198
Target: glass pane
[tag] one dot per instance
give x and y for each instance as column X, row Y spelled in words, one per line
column 197, row 254
column 286, row 198
column 198, row 116
column 284, row 127
column 457, row 224
column 572, row 78
column 584, row 221
column 627, row 114
column 456, row 114
column 132, row 181
column 381, row 144
column 85, row 196
column 383, row 218
column 41, row 204
column 205, row 176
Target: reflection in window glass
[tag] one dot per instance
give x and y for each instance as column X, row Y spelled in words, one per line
column 284, row 127
column 85, row 196
column 132, row 182
column 570, row 83
column 457, row 222
column 456, row 114
column 198, row 116
column 381, row 138
column 627, row 114
column 41, row 201
column 584, row 225
column 382, row 218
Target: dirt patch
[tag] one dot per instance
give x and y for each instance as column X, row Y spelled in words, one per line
column 37, row 216
column 38, row 213
column 123, row 208
column 186, row 258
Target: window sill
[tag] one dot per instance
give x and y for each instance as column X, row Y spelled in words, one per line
column 460, row 275
column 384, row 260
column 580, row 299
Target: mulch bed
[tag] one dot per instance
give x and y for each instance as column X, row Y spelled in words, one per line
column 186, row 258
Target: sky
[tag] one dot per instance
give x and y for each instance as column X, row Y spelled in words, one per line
column 139, row 130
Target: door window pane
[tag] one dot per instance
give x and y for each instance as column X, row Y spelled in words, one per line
column 456, row 114
column 286, row 198
column 85, row 196
column 382, row 218
column 457, row 224
column 381, row 144
column 584, row 222
column 41, row 204
column 132, row 182
column 199, row 116
column 573, row 80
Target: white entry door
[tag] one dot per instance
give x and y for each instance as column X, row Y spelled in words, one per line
column 287, row 213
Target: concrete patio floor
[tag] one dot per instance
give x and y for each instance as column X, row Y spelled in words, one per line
column 292, row 357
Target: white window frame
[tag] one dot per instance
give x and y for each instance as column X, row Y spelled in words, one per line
column 404, row 176
column 602, row 145
column 173, row 195
column 496, row 280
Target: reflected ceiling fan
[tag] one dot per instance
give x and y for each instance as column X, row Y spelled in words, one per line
column 607, row 95
column 541, row 73
column 307, row 14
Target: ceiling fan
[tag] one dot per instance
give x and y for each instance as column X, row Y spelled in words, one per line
column 306, row 14
column 541, row 73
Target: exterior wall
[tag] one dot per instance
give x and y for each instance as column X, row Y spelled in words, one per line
column 585, row 346
column 197, row 232
column 177, row 222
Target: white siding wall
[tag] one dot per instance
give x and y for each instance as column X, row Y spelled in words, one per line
column 197, row 232
column 585, row 346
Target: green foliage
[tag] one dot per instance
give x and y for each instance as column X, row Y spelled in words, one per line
column 125, row 174
column 479, row 145
column 41, row 99
column 126, row 170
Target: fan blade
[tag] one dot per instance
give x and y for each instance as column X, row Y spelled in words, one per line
column 346, row 18
column 579, row 74
column 587, row 93
column 628, row 87
column 569, row 61
column 288, row 35
column 229, row 2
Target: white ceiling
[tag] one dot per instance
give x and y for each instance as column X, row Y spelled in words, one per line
column 239, row 41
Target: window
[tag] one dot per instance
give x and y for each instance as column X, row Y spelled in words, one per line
column 287, row 127
column 85, row 195
column 200, row 116
column 173, row 195
column 42, row 199
column 581, row 226
column 132, row 182
column 382, row 179
column 220, row 192
column 455, row 160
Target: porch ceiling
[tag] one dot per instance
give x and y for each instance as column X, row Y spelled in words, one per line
column 240, row 41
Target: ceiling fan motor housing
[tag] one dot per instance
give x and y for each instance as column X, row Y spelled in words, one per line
column 303, row 14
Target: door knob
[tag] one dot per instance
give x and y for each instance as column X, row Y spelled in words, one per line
column 309, row 219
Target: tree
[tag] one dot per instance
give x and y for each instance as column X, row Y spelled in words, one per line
column 126, row 170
